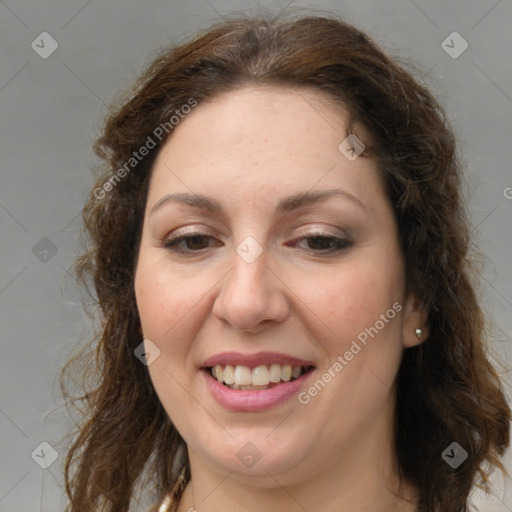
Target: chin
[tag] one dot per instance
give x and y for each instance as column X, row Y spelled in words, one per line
column 255, row 455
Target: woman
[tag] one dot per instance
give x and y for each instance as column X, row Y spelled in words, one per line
column 279, row 248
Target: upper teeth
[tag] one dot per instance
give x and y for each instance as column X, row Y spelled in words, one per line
column 259, row 376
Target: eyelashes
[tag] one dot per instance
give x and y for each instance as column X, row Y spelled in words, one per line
column 197, row 243
column 174, row 244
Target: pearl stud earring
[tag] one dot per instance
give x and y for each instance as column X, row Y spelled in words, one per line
column 418, row 333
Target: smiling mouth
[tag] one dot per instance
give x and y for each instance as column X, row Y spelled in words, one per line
column 239, row 377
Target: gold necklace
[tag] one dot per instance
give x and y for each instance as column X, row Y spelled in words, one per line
column 173, row 498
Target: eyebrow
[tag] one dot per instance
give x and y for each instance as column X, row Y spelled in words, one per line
column 287, row 204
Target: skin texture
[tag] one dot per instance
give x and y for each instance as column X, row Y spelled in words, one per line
column 247, row 150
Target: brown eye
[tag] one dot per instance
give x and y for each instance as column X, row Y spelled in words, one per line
column 325, row 244
column 188, row 244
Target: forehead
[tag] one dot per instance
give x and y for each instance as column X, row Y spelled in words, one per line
column 260, row 140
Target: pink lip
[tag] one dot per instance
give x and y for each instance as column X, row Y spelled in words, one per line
column 252, row 360
column 253, row 401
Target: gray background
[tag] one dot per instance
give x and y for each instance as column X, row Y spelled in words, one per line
column 50, row 112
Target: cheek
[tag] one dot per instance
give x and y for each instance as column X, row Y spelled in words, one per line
column 360, row 313
column 351, row 298
column 168, row 307
column 164, row 298
column 358, row 306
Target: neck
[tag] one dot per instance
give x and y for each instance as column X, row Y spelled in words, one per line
column 228, row 495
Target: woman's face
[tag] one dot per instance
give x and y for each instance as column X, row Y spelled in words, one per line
column 267, row 281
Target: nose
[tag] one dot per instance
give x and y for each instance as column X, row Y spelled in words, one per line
column 252, row 296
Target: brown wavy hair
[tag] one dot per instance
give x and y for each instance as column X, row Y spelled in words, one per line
column 447, row 388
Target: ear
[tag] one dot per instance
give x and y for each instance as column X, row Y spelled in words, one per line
column 415, row 317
